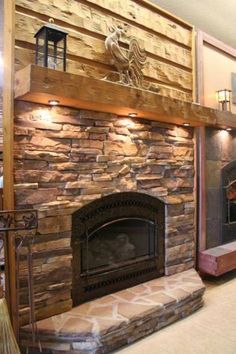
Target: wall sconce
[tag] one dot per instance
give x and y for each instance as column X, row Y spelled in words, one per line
column 51, row 46
column 224, row 99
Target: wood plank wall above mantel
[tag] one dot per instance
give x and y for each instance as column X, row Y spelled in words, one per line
column 38, row 84
column 168, row 41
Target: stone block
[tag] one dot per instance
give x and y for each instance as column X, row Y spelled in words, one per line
column 124, row 170
column 161, row 149
column 147, row 135
column 87, row 143
column 122, row 131
column 152, row 184
column 63, row 134
column 119, row 137
column 31, row 197
column 85, row 151
column 180, row 132
column 37, row 122
column 120, row 148
column 93, row 167
column 31, row 165
column 54, row 224
column 178, row 268
column 96, row 136
column 174, row 210
column 49, row 156
column 102, row 177
column 175, row 183
column 26, row 186
column 42, row 143
column 179, row 252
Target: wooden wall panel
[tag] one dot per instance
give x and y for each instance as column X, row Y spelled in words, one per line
column 166, row 40
column 137, row 12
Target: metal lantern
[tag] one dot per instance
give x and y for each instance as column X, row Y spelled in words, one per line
column 224, row 99
column 51, row 47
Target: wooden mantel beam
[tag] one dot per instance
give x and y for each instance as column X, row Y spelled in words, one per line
column 39, row 85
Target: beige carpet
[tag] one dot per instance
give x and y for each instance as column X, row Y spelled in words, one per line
column 211, row 330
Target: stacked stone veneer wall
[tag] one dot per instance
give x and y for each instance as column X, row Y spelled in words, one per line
column 65, row 158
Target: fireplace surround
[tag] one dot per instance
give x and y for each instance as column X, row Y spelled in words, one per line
column 93, row 177
column 82, row 157
column 117, row 242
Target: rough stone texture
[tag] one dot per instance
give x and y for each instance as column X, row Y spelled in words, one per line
column 220, row 150
column 58, row 174
column 112, row 321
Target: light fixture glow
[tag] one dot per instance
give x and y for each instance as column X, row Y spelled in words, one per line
column 224, row 99
column 186, row 124
column 228, row 129
column 132, row 115
column 45, row 115
column 128, row 122
column 53, row 102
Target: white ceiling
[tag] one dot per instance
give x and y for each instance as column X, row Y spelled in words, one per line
column 215, row 17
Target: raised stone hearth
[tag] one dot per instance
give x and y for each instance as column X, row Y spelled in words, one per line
column 104, row 324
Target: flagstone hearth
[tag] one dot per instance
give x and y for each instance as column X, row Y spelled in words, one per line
column 107, row 323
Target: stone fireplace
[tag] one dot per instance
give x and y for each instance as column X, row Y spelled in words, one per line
column 117, row 242
column 68, row 162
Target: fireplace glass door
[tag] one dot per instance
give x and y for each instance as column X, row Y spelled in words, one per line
column 118, row 243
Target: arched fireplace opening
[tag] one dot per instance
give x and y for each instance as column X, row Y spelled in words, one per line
column 117, row 242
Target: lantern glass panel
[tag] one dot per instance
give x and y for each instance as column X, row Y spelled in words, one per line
column 223, row 96
column 41, row 50
column 56, row 54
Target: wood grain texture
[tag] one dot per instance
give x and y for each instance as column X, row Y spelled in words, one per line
column 98, row 26
column 8, row 104
column 93, row 49
column 37, row 84
column 139, row 13
column 167, row 41
column 218, row 260
column 85, row 68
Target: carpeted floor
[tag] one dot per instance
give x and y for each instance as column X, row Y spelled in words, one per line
column 211, row 330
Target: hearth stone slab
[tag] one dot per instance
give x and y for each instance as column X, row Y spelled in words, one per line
column 115, row 320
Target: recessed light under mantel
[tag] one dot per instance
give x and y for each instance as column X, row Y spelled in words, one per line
column 53, row 102
column 133, row 115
